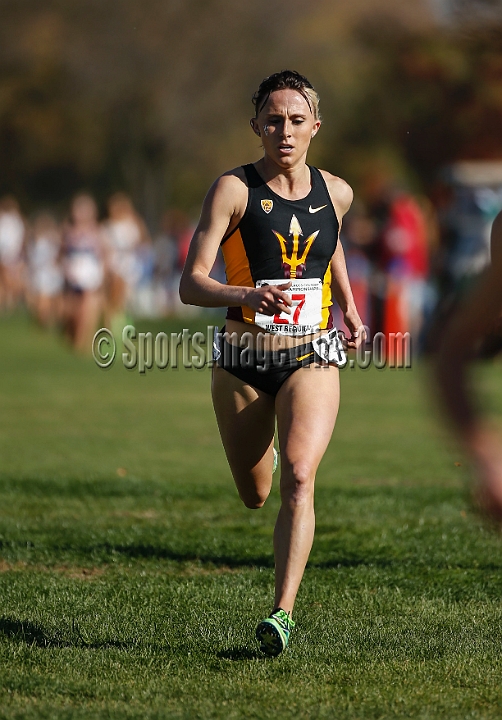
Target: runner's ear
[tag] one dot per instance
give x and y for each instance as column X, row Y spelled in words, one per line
column 254, row 126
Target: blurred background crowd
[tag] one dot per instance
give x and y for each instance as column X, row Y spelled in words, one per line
column 115, row 118
column 84, row 271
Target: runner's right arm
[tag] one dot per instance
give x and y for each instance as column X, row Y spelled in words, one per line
column 223, row 207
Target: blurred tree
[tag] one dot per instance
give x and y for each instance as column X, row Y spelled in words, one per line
column 154, row 97
column 117, row 94
column 406, row 96
column 468, row 11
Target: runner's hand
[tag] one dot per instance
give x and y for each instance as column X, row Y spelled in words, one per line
column 270, row 299
column 357, row 331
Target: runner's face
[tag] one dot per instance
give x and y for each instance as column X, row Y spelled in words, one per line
column 286, row 126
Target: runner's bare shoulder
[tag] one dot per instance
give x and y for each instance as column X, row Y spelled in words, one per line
column 340, row 191
column 230, row 190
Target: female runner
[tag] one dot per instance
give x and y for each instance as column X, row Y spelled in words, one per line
column 277, row 222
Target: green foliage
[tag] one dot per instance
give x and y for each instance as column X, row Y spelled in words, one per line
column 154, row 97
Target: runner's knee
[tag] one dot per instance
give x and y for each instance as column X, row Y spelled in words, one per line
column 297, row 484
column 253, row 499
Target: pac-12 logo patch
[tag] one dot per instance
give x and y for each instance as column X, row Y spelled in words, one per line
column 267, row 205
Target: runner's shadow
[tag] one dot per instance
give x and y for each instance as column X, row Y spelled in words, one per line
column 33, row 634
column 162, row 553
column 239, row 653
column 28, row 632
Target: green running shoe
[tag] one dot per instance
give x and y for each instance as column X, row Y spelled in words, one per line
column 273, row 633
column 276, row 461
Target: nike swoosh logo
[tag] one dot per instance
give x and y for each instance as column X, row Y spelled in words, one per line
column 308, row 354
column 314, row 210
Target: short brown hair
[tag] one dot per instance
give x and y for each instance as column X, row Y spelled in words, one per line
column 282, row 81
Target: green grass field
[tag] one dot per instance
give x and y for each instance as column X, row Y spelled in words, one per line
column 132, row 578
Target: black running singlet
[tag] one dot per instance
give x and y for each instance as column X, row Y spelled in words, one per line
column 278, row 238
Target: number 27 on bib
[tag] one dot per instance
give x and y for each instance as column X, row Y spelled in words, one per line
column 306, row 308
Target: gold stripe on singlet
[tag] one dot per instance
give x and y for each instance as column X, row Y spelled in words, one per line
column 237, row 268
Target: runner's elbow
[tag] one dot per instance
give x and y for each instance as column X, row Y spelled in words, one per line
column 186, row 290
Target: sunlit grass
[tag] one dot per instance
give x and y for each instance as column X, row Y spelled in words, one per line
column 131, row 577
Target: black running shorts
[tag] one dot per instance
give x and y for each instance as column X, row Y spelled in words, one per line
column 267, row 371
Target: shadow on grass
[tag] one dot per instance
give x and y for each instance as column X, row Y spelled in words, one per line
column 214, row 561
column 33, row 634
column 155, row 552
column 239, row 653
column 267, row 561
column 161, row 553
column 28, row 632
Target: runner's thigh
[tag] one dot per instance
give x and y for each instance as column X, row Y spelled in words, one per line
column 246, row 420
column 307, row 406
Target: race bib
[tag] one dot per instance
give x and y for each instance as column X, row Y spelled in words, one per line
column 306, row 310
column 330, row 348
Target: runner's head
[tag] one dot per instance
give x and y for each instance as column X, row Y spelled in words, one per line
column 286, row 79
column 286, row 117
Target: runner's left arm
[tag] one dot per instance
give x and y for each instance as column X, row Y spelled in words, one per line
column 342, row 291
column 341, row 196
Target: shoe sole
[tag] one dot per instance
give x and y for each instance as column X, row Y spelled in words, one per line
column 275, row 645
